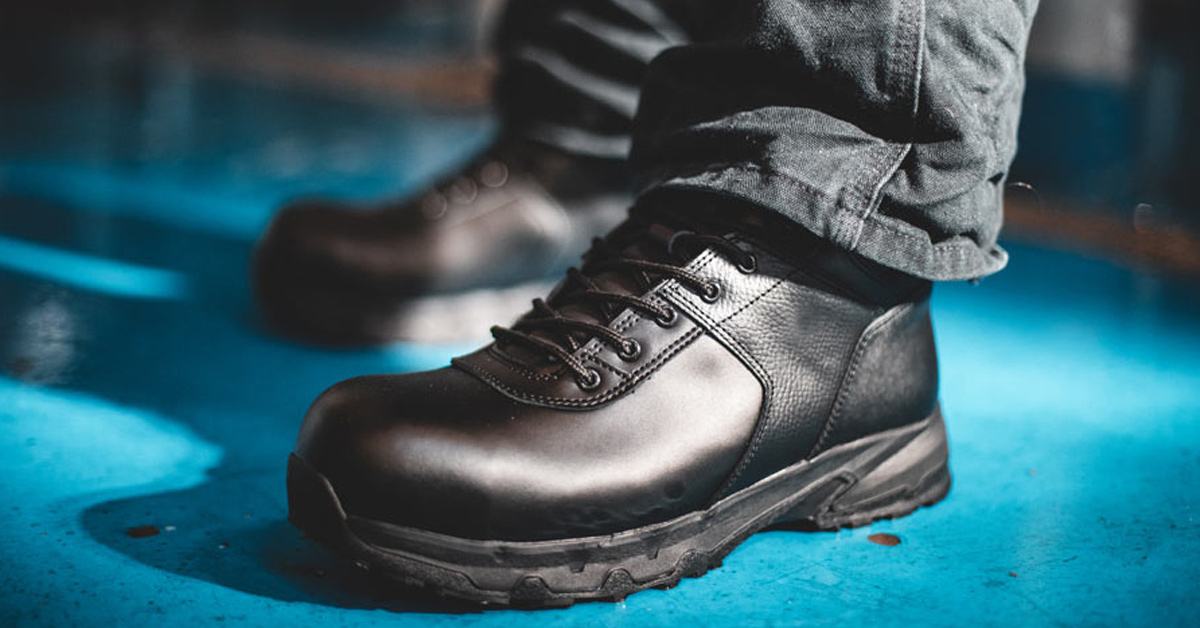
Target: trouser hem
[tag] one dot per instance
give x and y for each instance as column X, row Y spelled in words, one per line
column 886, row 240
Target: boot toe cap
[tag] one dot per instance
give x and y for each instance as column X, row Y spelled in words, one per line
column 392, row 454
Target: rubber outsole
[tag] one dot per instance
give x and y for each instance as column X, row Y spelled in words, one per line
column 883, row 476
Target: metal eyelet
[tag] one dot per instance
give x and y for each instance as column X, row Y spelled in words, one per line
column 434, row 205
column 493, row 174
column 591, row 382
column 463, row 191
column 749, row 266
column 668, row 318
column 630, row 350
column 711, row 292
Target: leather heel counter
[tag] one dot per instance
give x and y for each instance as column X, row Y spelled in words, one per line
column 891, row 381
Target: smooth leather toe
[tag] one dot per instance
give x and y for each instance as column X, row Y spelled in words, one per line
column 444, row 451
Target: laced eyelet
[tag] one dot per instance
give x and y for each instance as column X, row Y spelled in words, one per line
column 434, row 205
column 493, row 174
column 463, row 191
column 590, row 382
column 711, row 292
column 630, row 350
column 668, row 318
column 748, row 265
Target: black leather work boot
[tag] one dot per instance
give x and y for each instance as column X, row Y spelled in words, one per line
column 467, row 253
column 691, row 385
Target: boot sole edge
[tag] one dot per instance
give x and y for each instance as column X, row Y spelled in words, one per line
column 883, row 476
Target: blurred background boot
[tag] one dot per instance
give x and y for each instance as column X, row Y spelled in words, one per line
column 442, row 266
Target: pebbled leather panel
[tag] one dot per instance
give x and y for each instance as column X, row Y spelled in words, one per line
column 891, row 381
column 801, row 340
column 796, row 337
column 554, row 387
column 445, row 452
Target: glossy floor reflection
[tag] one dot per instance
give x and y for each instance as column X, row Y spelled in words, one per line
column 145, row 415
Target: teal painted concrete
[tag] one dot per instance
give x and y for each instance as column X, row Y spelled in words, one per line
column 155, row 398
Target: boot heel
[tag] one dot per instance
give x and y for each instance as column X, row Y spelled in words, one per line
column 886, row 480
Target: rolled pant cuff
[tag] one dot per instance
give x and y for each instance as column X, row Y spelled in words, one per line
column 882, row 239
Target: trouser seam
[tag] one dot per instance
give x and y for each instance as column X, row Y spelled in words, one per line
column 887, row 164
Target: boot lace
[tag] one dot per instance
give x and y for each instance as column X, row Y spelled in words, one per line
column 561, row 333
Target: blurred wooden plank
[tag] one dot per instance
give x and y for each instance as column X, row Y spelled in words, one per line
column 1140, row 239
column 448, row 81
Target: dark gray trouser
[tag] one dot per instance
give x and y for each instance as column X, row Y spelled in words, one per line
column 884, row 126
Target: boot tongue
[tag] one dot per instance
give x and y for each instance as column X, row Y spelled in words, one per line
column 652, row 243
column 643, row 237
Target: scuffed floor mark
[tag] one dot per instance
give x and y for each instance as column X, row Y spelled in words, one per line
column 883, row 538
column 141, row 532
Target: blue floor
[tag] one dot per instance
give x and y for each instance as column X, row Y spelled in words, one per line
column 145, row 414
